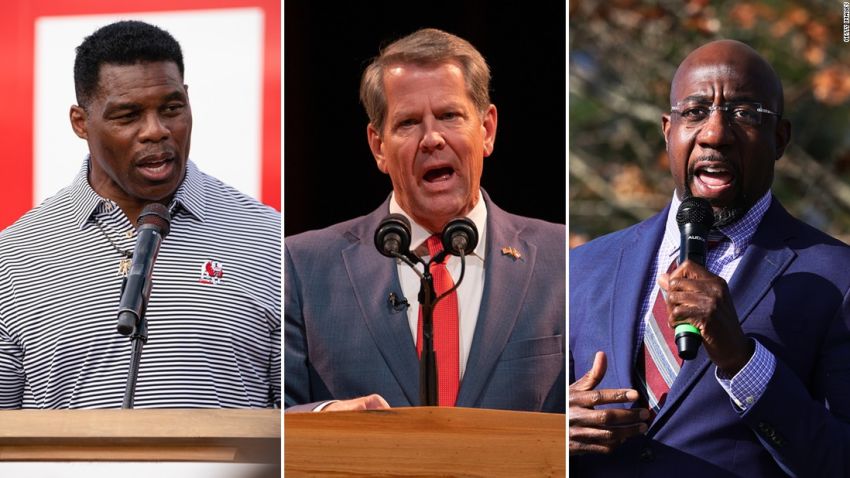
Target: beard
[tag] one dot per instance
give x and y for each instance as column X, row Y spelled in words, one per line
column 728, row 215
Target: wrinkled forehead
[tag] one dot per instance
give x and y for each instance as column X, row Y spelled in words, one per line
column 723, row 79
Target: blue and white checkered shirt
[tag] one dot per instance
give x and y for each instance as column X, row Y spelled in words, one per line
column 747, row 386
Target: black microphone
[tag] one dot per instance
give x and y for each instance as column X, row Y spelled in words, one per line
column 397, row 303
column 152, row 227
column 460, row 235
column 393, row 236
column 695, row 218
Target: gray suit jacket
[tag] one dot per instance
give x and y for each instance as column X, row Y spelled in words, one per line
column 343, row 339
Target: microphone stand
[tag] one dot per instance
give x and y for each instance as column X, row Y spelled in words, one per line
column 427, row 359
column 139, row 338
column 428, row 301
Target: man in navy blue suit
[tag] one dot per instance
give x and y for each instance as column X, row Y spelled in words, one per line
column 768, row 393
column 352, row 314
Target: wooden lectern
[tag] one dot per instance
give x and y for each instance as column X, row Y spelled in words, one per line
column 425, row 441
column 239, row 436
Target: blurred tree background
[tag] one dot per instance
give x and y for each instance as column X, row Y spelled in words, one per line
column 623, row 54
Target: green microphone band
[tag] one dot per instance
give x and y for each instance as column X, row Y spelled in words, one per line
column 685, row 328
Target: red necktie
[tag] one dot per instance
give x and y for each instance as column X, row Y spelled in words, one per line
column 660, row 359
column 445, row 329
column 659, row 356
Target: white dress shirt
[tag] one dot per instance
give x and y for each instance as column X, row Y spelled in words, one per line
column 469, row 292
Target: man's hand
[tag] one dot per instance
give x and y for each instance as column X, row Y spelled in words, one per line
column 702, row 299
column 600, row 431
column 369, row 402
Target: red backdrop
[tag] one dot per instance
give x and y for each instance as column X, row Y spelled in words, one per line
column 17, row 39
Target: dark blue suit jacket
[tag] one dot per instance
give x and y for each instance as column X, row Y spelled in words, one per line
column 791, row 294
column 344, row 340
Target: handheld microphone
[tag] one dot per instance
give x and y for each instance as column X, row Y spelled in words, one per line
column 393, row 236
column 153, row 225
column 695, row 218
column 460, row 235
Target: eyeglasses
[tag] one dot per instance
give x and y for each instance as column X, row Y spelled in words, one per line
column 694, row 113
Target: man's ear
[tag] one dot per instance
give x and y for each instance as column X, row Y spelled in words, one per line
column 78, row 118
column 489, row 123
column 376, row 144
column 665, row 128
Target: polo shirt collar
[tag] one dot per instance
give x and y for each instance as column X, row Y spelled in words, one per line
column 189, row 195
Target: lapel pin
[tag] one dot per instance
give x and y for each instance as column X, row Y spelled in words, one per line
column 510, row 251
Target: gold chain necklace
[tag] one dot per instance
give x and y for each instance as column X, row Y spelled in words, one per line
column 126, row 256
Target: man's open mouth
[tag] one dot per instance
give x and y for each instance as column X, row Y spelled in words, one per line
column 714, row 177
column 439, row 174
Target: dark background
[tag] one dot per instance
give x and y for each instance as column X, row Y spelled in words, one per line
column 329, row 172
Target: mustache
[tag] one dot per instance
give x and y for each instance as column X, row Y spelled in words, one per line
column 718, row 159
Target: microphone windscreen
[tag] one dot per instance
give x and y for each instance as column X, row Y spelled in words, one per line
column 458, row 228
column 394, row 230
column 157, row 215
column 695, row 210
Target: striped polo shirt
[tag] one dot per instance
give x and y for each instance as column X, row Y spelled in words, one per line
column 213, row 315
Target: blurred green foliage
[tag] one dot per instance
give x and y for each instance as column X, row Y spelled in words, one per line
column 623, row 54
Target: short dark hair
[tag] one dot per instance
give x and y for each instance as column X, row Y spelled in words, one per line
column 121, row 43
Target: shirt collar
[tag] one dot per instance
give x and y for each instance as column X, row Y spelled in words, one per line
column 740, row 232
column 418, row 233
column 189, row 195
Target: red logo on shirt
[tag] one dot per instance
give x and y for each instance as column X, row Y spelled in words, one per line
column 211, row 272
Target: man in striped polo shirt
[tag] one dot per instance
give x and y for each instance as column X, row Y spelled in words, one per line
column 214, row 312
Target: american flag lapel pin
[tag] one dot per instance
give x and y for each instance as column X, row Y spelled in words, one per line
column 511, row 251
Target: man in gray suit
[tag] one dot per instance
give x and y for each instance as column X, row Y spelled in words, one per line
column 352, row 315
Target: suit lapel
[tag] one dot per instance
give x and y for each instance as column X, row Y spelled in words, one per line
column 506, row 283
column 635, row 262
column 765, row 259
column 373, row 277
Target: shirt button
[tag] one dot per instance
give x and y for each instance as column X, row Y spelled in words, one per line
column 128, row 234
column 107, row 206
column 647, row 455
column 750, row 400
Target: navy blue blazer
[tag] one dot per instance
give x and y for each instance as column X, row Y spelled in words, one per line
column 344, row 340
column 791, row 294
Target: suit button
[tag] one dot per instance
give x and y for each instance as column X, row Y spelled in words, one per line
column 647, row 455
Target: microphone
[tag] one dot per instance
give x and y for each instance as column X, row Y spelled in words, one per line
column 695, row 218
column 397, row 303
column 152, row 227
column 460, row 236
column 393, row 236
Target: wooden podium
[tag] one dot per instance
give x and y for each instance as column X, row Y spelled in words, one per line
column 239, row 436
column 425, row 441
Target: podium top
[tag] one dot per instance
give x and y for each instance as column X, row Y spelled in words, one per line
column 245, row 435
column 425, row 441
